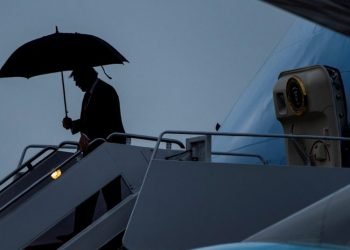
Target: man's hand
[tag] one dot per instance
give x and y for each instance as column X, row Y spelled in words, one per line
column 67, row 122
column 83, row 142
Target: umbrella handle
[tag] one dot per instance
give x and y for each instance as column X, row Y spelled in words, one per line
column 64, row 95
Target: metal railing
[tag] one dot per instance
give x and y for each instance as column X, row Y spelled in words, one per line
column 28, row 164
column 55, row 148
column 45, row 148
column 146, row 138
column 259, row 157
column 280, row 136
column 37, row 182
column 158, row 140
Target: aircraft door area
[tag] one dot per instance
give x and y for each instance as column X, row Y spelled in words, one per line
column 311, row 101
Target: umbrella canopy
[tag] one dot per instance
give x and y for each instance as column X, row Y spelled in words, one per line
column 60, row 52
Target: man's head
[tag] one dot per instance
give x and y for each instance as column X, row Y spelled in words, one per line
column 84, row 77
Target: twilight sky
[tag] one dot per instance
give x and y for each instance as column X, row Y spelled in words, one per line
column 189, row 62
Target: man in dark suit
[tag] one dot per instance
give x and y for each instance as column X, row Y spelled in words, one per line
column 100, row 112
column 100, row 116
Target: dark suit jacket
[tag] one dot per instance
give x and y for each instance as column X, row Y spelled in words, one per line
column 100, row 113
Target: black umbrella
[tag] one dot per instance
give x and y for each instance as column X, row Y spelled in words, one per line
column 59, row 52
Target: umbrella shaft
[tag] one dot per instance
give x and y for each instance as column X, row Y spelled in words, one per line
column 64, row 95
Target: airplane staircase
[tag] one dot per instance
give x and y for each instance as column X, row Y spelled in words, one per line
column 171, row 199
column 43, row 207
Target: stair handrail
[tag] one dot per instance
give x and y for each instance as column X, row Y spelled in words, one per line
column 20, row 167
column 38, row 181
column 46, row 148
column 62, row 145
column 168, row 141
column 72, row 145
column 257, row 135
column 259, row 157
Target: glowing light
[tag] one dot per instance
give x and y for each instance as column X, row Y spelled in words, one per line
column 57, row 174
